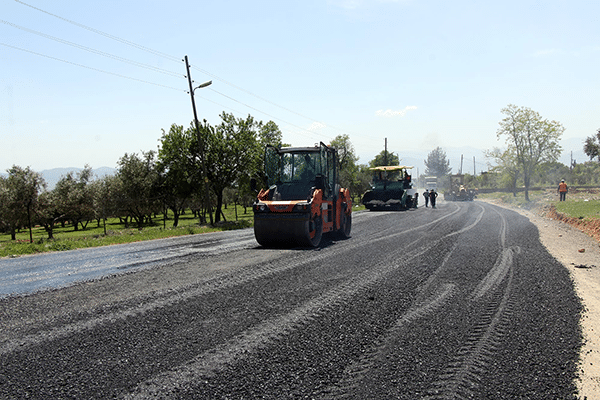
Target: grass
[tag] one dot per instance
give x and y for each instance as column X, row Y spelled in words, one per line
column 68, row 238
column 581, row 204
column 579, row 209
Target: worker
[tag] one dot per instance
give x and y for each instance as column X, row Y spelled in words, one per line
column 562, row 190
column 426, row 197
column 432, row 196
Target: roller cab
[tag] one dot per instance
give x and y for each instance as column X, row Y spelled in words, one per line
column 303, row 199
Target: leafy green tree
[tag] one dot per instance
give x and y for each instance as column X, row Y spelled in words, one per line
column 531, row 139
column 18, row 198
column 138, row 179
column 437, row 164
column 385, row 158
column 506, row 165
column 47, row 213
column 179, row 174
column 74, row 199
column 591, row 146
column 231, row 152
column 346, row 161
column 105, row 198
column 269, row 134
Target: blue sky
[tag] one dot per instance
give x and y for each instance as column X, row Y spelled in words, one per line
column 84, row 82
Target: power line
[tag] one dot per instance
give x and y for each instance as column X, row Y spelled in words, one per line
column 91, row 50
column 90, row 68
column 107, row 35
column 177, row 59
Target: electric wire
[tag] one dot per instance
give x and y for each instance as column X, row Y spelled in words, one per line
column 107, row 35
column 91, row 68
column 177, row 59
column 91, row 50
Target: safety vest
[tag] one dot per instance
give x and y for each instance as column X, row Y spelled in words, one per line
column 562, row 187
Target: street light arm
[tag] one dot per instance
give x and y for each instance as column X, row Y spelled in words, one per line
column 205, row 84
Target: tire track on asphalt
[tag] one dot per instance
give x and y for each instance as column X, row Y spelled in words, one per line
column 430, row 298
column 168, row 298
column 265, row 333
column 462, row 376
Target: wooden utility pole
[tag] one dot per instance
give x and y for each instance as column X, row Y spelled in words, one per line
column 200, row 143
column 385, row 157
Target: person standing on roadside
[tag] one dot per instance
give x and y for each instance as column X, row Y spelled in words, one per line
column 426, row 197
column 432, row 196
column 562, row 190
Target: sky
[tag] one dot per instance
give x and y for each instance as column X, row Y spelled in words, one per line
column 85, row 82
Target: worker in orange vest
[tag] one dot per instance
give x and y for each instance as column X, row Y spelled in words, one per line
column 562, row 190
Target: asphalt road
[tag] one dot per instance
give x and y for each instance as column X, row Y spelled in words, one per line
column 458, row 302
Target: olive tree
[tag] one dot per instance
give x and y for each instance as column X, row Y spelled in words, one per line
column 18, row 198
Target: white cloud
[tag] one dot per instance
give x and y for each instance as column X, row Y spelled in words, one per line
column 391, row 113
column 316, row 127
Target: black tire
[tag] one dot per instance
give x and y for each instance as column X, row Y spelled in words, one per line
column 346, row 226
column 314, row 232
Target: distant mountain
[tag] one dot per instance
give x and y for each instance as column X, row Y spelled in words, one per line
column 52, row 176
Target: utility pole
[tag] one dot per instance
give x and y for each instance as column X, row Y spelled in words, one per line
column 385, row 158
column 200, row 139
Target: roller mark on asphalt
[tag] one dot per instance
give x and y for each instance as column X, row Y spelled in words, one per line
column 212, row 361
column 461, row 377
column 167, row 298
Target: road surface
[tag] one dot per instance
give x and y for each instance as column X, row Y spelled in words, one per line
column 457, row 302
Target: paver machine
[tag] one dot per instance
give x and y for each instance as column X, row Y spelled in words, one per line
column 303, row 199
column 391, row 189
column 458, row 191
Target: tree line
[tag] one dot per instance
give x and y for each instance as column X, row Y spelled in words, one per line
column 224, row 157
column 227, row 156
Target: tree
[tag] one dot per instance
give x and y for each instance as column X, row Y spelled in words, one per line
column 47, row 212
column 591, row 146
column 506, row 165
column 73, row 198
column 231, row 152
column 138, row 179
column 532, row 139
column 19, row 195
column 346, row 160
column 179, row 174
column 436, row 164
column 384, row 158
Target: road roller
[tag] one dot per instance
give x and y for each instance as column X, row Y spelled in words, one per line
column 303, row 199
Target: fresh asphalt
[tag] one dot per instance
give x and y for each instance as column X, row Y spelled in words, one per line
column 461, row 301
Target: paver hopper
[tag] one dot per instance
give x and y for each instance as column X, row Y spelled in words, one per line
column 303, row 200
column 391, row 189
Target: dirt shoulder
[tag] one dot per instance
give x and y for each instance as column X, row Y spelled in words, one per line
column 580, row 254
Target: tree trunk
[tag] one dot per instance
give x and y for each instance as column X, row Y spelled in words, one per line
column 218, row 211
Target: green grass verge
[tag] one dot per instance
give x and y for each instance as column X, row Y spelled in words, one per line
column 579, row 208
column 116, row 233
